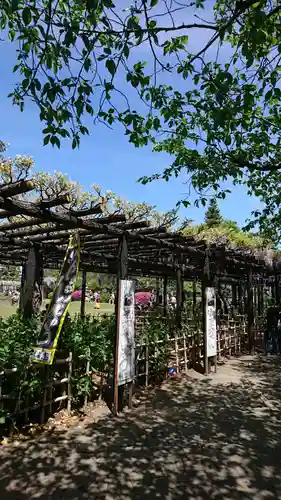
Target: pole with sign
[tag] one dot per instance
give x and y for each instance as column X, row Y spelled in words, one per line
column 211, row 322
column 124, row 359
column 44, row 351
column 209, row 316
column 126, row 329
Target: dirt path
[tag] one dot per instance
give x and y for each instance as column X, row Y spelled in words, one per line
column 197, row 438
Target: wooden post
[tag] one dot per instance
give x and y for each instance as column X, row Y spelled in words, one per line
column 273, row 290
column 262, row 296
column 87, row 375
column 165, row 302
column 157, row 291
column 146, row 362
column 259, row 292
column 240, row 298
column 83, row 297
column 179, row 297
column 277, row 289
column 69, row 384
column 250, row 311
column 45, row 394
column 194, row 296
column 255, row 299
column 205, row 280
column 31, row 288
column 215, row 359
column 182, row 290
column 122, row 273
column 234, row 296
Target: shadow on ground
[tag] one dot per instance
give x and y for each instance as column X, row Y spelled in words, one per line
column 190, row 439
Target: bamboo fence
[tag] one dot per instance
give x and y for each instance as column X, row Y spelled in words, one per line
column 174, row 348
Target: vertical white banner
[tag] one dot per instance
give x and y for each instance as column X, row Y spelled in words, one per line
column 126, row 326
column 211, row 322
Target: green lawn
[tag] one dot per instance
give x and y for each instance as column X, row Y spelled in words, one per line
column 6, row 308
column 90, row 308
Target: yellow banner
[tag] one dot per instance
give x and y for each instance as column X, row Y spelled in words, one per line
column 45, row 349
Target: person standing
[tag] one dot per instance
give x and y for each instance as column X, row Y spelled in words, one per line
column 273, row 329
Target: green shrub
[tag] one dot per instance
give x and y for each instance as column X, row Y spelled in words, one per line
column 90, row 340
column 17, row 336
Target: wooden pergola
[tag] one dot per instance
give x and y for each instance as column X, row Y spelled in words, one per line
column 110, row 244
column 151, row 250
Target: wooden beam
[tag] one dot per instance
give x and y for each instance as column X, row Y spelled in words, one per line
column 9, row 226
column 5, row 213
column 110, row 219
column 94, row 209
column 58, row 230
column 62, row 199
column 34, row 232
column 143, row 224
column 20, row 207
column 15, row 188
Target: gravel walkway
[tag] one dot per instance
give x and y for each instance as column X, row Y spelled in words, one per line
column 194, row 438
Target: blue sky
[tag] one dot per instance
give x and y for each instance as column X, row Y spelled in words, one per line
column 105, row 157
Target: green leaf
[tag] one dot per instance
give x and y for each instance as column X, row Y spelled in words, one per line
column 92, row 4
column 87, row 64
column 46, row 140
column 108, row 3
column 15, row 5
column 156, row 123
column 89, row 109
column 37, row 84
column 185, row 203
column 126, row 51
column 25, row 83
column 268, row 95
column 26, row 15
column 110, row 64
column 153, row 3
column 134, row 81
column 55, row 141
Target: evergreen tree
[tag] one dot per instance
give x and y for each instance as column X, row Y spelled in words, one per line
column 212, row 215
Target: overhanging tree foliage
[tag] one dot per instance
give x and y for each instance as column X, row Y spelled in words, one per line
column 219, row 120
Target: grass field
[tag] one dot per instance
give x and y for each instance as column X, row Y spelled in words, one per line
column 6, row 308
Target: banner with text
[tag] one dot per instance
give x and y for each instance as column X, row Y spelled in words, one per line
column 49, row 335
column 126, row 326
column 211, row 322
